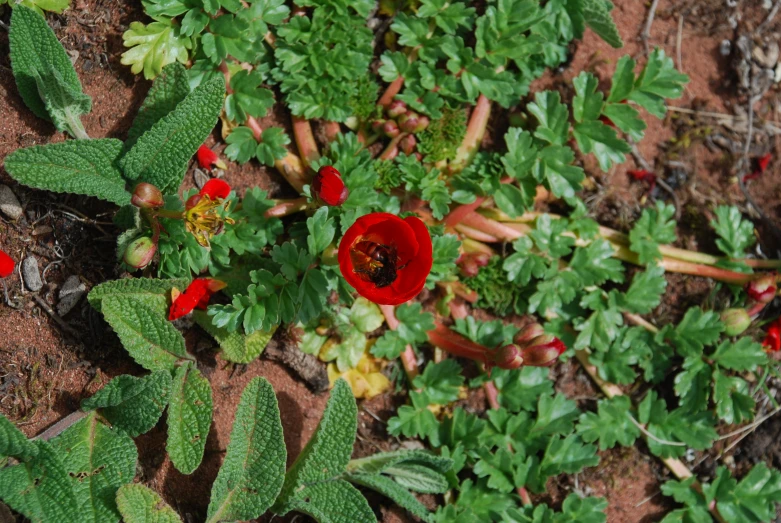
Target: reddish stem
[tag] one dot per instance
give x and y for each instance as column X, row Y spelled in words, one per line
column 332, row 131
column 392, row 150
column 458, row 345
column 305, row 140
column 286, row 207
column 455, row 216
column 500, row 230
column 390, row 92
column 475, row 234
column 475, row 130
column 408, row 358
column 460, row 290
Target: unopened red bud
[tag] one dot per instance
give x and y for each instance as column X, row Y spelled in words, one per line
column 481, row 258
column 763, row 289
column 192, row 201
column 543, row 351
column 423, row 123
column 528, row 333
column 147, row 196
column 735, row 321
column 139, row 252
column 508, row 357
column 377, row 125
column 409, row 121
column 391, row 129
column 408, row 144
column 328, row 187
column 396, row 108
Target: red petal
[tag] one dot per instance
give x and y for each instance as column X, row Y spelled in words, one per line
column 764, row 161
column 206, row 157
column 216, row 188
column 7, row 265
column 329, row 187
column 192, row 297
column 642, row 174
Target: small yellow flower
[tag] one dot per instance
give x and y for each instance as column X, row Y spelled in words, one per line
column 366, row 379
column 206, row 218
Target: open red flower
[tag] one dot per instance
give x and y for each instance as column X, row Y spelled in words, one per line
column 7, row 265
column 386, row 258
column 216, row 188
column 208, row 158
column 196, row 295
column 328, row 187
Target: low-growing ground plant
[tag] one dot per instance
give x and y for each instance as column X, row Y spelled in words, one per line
column 401, row 207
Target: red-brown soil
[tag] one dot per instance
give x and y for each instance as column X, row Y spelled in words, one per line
column 44, row 372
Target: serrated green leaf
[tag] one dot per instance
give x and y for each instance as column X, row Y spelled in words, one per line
column 658, row 80
column 161, row 154
column 98, row 460
column 56, row 6
column 440, row 382
column 587, row 103
column 132, row 404
column 736, row 234
column 140, row 504
column 576, row 509
column 655, row 226
column 235, row 346
column 189, row 418
column 365, row 315
column 741, row 355
column 645, row 292
column 86, row 167
column 610, row 424
column 149, row 338
column 40, row 489
column 153, row 46
column 596, row 137
column 14, row 443
column 35, row 51
column 521, row 389
column 254, row 468
column 732, row 397
column 597, row 17
column 321, row 231
column 390, row 489
column 552, row 117
column 753, row 499
column 333, row 501
column 155, row 294
column 247, row 98
column 697, row 329
column 167, row 91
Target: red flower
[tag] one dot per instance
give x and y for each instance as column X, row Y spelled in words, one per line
column 7, row 265
column 385, row 258
column 773, row 337
column 216, row 188
column 197, row 295
column 328, row 187
column 208, row 158
column 763, row 289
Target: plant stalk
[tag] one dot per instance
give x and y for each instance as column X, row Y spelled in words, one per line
column 305, row 141
column 392, row 150
column 458, row 345
column 332, row 130
column 408, row 358
column 475, row 130
column 455, row 216
column 390, row 92
column 287, row 207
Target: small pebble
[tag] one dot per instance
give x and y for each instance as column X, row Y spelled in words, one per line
column 9, row 203
column 31, row 274
column 200, row 178
column 70, row 294
column 725, row 48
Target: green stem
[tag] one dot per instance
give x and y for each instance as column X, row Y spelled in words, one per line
column 171, row 215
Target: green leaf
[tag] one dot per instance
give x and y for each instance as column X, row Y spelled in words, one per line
column 254, row 468
column 582, row 510
column 626, row 118
column 753, row 499
column 658, row 81
column 697, row 329
column 390, row 489
column 348, row 352
column 412, row 422
column 741, row 355
column 98, row 460
column 521, row 389
column 189, row 418
column 161, row 154
column 597, row 16
column 736, row 234
column 365, row 315
column 149, row 338
column 310, row 484
column 600, row 139
column 623, row 80
column 552, row 117
column 247, row 98
column 40, row 489
column 567, row 454
column 155, row 294
column 554, row 168
column 272, row 146
column 645, row 292
column 587, row 104
column 153, row 46
column 321, row 231
column 56, row 6
column 655, row 226
column 140, row 504
column 64, row 103
column 611, row 424
column 555, row 415
column 732, row 397
column 595, row 264
column 440, row 382
column 505, row 470
column 35, row 52
column 235, row 346
column 168, row 91
column 14, row 443
column 132, row 404
column 86, row 167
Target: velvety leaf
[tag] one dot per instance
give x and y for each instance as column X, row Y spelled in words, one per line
column 14, row 443
column 140, row 504
column 189, row 418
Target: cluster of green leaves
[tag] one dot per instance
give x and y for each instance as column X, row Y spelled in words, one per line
column 55, row 6
column 514, row 42
column 170, row 126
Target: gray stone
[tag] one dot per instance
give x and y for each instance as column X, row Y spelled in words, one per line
column 9, row 203
column 70, row 294
column 32, row 274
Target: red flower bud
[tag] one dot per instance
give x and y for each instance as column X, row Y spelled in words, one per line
column 147, row 196
column 208, row 158
column 423, row 123
column 408, row 144
column 396, row 108
column 773, row 338
column 409, row 121
column 390, row 129
column 528, row 333
column 139, row 253
column 543, row 351
column 328, row 187
column 216, row 188
column 763, row 289
column 7, row 265
column 508, row 357
column 735, row 321
column 197, row 294
column 387, row 259
column 470, row 263
column 377, row 125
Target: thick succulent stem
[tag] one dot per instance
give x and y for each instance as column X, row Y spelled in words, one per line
column 305, row 141
column 458, row 345
column 455, row 216
column 408, row 358
column 390, row 92
column 332, row 130
column 475, row 130
column 286, row 207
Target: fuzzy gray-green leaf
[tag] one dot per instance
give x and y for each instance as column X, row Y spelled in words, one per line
column 251, row 475
column 389, row 488
column 139, row 504
column 148, row 337
column 161, row 154
column 168, row 90
column 86, row 167
column 153, row 293
column 98, row 461
column 334, row 501
column 189, row 418
column 14, row 443
column 40, row 489
column 34, row 49
column 64, row 103
column 133, row 404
